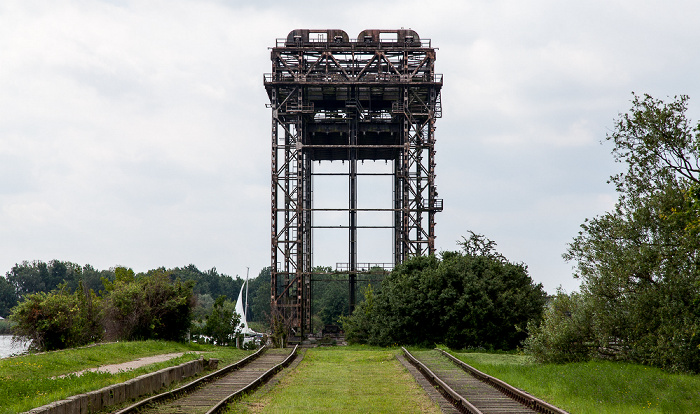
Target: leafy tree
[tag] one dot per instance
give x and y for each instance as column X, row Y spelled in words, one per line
column 8, row 297
column 639, row 262
column 566, row 332
column 208, row 282
column 38, row 276
column 148, row 307
column 462, row 299
column 29, row 277
column 205, row 303
column 58, row 319
column 330, row 296
column 259, row 301
column 223, row 323
column 92, row 278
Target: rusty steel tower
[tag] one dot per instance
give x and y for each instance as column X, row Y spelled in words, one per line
column 333, row 98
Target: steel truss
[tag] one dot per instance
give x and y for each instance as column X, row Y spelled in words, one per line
column 333, row 98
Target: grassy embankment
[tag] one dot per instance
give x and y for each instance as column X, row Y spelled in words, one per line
column 594, row 387
column 30, row 381
column 352, row 379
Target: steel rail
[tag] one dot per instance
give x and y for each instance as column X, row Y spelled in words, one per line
column 221, row 406
column 134, row 408
column 457, row 400
column 197, row 384
column 507, row 389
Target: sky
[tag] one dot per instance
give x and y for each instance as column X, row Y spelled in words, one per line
column 135, row 133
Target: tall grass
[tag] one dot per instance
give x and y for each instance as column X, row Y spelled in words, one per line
column 343, row 380
column 596, row 386
column 34, row 380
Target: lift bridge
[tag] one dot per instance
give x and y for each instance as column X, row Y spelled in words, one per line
column 333, row 98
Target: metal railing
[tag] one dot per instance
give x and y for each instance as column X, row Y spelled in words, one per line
column 423, row 43
column 339, row 77
column 363, row 267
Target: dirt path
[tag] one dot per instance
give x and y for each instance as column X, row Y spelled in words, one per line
column 129, row 365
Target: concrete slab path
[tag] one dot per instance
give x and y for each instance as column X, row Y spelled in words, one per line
column 129, row 365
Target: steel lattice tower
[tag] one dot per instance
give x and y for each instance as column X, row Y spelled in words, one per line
column 334, row 98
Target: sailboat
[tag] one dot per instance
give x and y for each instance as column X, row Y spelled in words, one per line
column 241, row 309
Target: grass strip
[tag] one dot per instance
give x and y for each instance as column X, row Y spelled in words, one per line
column 31, row 380
column 353, row 379
column 594, row 387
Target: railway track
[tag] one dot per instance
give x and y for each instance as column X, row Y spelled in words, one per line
column 212, row 393
column 470, row 390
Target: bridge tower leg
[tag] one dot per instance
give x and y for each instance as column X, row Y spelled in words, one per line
column 333, row 98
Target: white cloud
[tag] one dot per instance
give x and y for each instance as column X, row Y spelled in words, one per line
column 135, row 133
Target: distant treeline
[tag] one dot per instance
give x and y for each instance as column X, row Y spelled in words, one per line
column 329, row 302
column 37, row 276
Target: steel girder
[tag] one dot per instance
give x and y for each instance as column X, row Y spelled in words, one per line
column 335, row 98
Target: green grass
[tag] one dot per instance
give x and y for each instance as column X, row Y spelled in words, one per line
column 30, row 381
column 343, row 379
column 596, row 386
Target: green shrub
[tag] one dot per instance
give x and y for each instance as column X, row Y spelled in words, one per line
column 222, row 322
column 471, row 299
column 5, row 327
column 565, row 333
column 58, row 319
column 148, row 307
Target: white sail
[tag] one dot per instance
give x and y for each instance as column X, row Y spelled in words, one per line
column 240, row 310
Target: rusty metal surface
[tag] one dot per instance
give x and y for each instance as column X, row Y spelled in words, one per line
column 483, row 397
column 375, row 97
column 444, row 404
column 514, row 393
column 214, row 396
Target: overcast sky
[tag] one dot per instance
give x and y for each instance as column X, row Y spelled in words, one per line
column 135, row 132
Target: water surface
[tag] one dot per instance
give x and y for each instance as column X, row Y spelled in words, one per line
column 7, row 347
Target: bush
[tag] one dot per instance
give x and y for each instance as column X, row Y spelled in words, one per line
column 150, row 307
column 565, row 333
column 475, row 299
column 58, row 319
column 222, row 323
column 5, row 327
column 639, row 262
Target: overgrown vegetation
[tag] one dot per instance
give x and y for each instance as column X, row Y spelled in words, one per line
column 594, row 387
column 330, row 296
column 473, row 298
column 58, row 319
column 55, row 304
column 639, row 263
column 329, row 301
column 222, row 323
column 5, row 327
column 30, row 381
column 348, row 380
column 150, row 306
column 37, row 276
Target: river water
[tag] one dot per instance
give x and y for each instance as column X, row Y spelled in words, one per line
column 7, row 347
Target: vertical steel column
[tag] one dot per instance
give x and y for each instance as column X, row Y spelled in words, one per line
column 405, row 177
column 299, row 209
column 320, row 85
column 352, row 202
column 434, row 111
column 306, row 275
column 273, row 220
column 398, row 213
